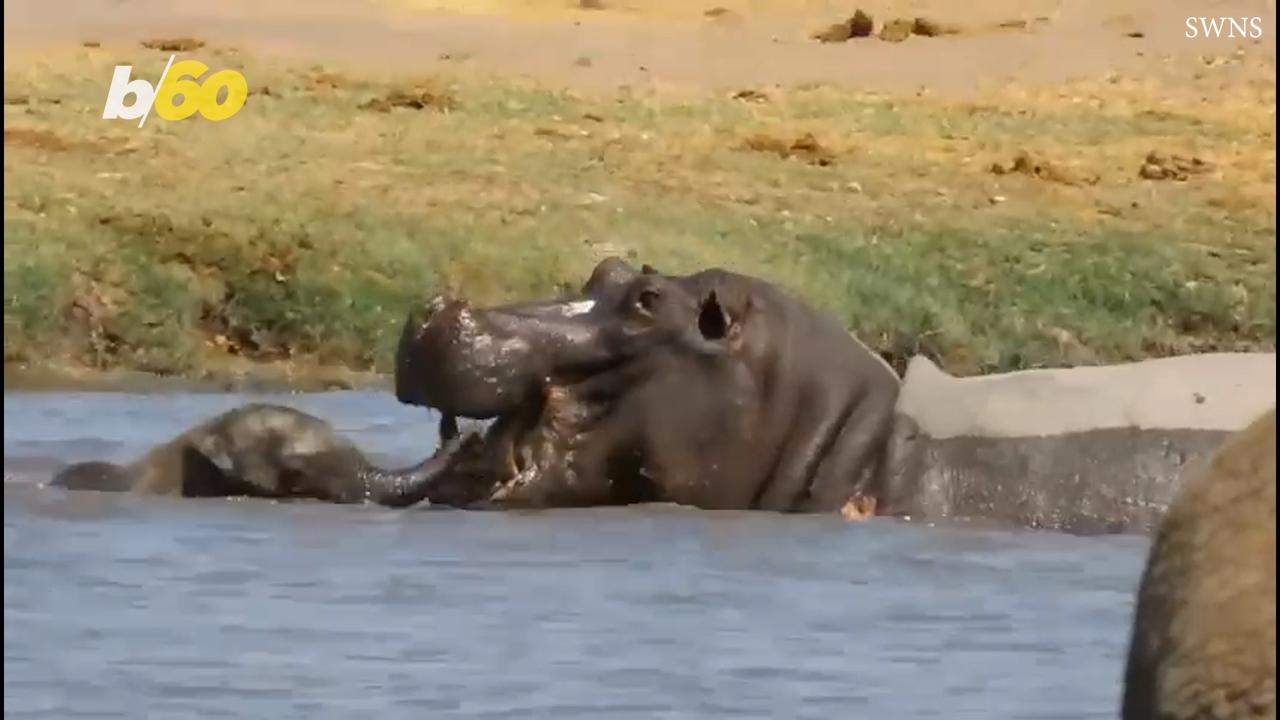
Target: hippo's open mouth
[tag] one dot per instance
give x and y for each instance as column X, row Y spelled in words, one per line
column 538, row 445
column 521, row 455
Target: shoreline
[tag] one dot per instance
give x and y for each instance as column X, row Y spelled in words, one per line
column 249, row 378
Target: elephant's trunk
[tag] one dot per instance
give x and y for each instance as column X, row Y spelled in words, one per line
column 428, row 480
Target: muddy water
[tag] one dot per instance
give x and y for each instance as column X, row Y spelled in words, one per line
column 117, row 606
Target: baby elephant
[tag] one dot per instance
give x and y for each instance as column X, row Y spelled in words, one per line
column 263, row 450
column 1203, row 643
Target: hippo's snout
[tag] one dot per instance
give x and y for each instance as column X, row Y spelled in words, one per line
column 411, row 360
column 457, row 360
column 481, row 363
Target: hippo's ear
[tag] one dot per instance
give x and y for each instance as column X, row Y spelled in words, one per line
column 713, row 321
column 609, row 275
column 723, row 324
column 647, row 269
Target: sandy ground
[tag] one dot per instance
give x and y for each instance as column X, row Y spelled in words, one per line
column 666, row 45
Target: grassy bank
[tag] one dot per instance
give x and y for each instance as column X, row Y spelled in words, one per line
column 303, row 227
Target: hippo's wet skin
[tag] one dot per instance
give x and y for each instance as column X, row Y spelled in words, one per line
column 1088, row 449
column 265, row 451
column 715, row 390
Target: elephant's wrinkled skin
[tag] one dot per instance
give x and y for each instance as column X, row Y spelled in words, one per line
column 714, row 390
column 263, row 450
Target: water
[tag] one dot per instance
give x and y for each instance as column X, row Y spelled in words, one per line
column 130, row 607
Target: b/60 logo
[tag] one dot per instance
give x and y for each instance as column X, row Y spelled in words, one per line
column 178, row 95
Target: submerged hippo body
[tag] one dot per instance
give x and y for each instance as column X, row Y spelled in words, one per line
column 265, row 451
column 1085, row 449
column 1203, row 640
column 715, row 390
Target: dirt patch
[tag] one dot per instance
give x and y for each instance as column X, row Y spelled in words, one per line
column 859, row 25
column 178, row 44
column 1018, row 24
column 417, row 98
column 805, row 147
column 752, row 95
column 29, row 100
column 558, row 133
column 49, row 141
column 863, row 25
column 35, row 138
column 990, row 28
column 1159, row 166
column 897, row 30
column 1026, row 163
column 723, row 16
column 926, row 27
column 326, row 81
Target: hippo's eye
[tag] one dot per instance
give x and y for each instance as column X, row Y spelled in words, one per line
column 648, row 299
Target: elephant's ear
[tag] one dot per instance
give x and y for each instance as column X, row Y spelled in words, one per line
column 219, row 458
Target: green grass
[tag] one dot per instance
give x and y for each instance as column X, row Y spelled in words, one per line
column 304, row 227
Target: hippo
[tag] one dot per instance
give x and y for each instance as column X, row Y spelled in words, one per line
column 715, row 390
column 265, row 450
column 1203, row 637
column 1090, row 449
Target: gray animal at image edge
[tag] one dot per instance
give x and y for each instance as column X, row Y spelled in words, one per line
column 1203, row 638
column 263, row 450
column 715, row 390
